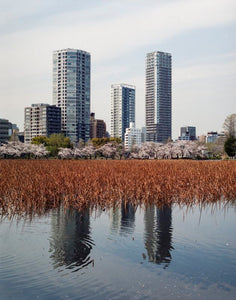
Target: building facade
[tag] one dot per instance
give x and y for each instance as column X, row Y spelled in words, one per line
column 132, row 137
column 143, row 135
column 158, row 98
column 97, row 127
column 202, row 138
column 187, row 133
column 71, row 92
column 5, row 130
column 212, row 136
column 122, row 109
column 41, row 120
column 14, row 133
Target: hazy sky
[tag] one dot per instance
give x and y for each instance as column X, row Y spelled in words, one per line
column 200, row 35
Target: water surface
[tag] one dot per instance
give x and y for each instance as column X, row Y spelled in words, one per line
column 124, row 253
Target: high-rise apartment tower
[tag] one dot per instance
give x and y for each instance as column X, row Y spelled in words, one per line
column 122, row 108
column 71, row 91
column 158, row 96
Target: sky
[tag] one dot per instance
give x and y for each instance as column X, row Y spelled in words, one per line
column 200, row 35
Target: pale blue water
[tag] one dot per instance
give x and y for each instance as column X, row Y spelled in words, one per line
column 127, row 253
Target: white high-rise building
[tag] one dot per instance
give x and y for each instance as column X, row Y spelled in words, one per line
column 158, row 96
column 71, row 91
column 122, row 108
column 132, row 137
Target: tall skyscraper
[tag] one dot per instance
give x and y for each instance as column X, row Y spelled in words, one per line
column 158, row 96
column 41, row 120
column 122, row 108
column 71, row 91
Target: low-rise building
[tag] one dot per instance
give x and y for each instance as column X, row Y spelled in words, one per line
column 132, row 137
column 97, row 127
column 187, row 133
column 212, row 136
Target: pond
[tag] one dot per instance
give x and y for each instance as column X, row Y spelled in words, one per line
column 123, row 253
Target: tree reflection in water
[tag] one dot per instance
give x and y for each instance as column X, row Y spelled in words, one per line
column 70, row 242
column 158, row 234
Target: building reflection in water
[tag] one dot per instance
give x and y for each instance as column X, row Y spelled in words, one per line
column 123, row 219
column 70, row 242
column 158, row 234
column 127, row 223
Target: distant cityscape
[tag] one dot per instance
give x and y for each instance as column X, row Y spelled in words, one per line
column 70, row 112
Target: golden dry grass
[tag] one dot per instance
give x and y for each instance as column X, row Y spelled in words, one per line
column 28, row 186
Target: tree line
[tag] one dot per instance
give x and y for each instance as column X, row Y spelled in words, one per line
column 59, row 146
column 62, row 148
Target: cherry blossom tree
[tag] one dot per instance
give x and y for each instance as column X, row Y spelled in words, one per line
column 190, row 149
column 179, row 149
column 135, row 153
column 21, row 150
column 108, row 150
column 120, row 151
column 77, row 152
column 88, row 151
column 65, row 153
column 147, row 150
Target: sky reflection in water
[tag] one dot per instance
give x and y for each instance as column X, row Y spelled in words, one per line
column 124, row 253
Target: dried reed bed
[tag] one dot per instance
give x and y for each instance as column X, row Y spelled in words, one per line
column 29, row 187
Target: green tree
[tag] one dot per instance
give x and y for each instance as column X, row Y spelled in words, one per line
column 99, row 142
column 116, row 140
column 230, row 146
column 56, row 141
column 53, row 143
column 59, row 140
column 40, row 140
